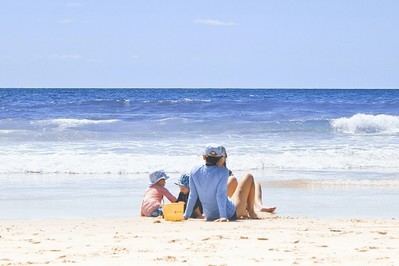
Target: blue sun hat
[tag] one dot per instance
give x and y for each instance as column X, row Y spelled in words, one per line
column 157, row 175
column 224, row 151
column 214, row 150
column 183, row 181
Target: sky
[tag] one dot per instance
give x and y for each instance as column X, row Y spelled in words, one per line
column 199, row 44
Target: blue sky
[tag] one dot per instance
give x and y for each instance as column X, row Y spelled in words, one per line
column 196, row 44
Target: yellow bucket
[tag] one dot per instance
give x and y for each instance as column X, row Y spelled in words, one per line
column 173, row 211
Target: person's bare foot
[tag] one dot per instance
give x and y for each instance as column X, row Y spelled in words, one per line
column 252, row 214
column 265, row 209
column 245, row 215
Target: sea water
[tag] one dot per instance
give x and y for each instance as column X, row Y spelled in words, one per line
column 88, row 152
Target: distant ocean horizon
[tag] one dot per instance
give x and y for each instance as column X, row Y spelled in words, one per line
column 288, row 138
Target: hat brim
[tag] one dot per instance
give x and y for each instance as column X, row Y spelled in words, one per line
column 158, row 180
column 180, row 184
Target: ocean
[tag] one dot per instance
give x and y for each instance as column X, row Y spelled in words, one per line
column 67, row 153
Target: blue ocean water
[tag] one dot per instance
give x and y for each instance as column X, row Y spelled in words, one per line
column 288, row 138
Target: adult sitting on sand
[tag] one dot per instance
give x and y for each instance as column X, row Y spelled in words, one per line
column 209, row 183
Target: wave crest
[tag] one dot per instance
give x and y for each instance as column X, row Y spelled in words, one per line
column 367, row 124
column 68, row 122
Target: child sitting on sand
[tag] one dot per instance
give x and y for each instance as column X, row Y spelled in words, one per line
column 153, row 196
column 183, row 184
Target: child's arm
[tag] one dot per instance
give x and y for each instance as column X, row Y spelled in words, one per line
column 169, row 195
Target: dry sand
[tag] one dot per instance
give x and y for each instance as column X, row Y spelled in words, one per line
column 148, row 241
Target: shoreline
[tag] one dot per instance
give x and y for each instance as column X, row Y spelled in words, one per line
column 65, row 197
column 274, row 239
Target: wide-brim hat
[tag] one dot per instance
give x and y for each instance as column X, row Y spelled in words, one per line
column 183, row 181
column 157, row 175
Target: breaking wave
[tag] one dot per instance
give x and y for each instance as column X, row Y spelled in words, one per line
column 367, row 124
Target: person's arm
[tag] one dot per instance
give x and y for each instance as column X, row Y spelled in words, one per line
column 221, row 194
column 192, row 198
column 169, row 195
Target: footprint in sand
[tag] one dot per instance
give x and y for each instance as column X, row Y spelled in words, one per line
column 365, row 249
column 168, row 259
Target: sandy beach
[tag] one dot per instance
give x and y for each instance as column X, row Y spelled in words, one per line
column 273, row 240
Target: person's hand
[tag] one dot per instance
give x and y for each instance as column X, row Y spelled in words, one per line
column 221, row 220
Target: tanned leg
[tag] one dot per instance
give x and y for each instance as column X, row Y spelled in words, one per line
column 244, row 197
column 251, row 201
column 232, row 184
column 258, row 200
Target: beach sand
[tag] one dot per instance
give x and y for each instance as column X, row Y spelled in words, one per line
column 273, row 240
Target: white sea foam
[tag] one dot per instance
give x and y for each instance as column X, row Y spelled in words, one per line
column 366, row 124
column 185, row 100
column 11, row 131
column 141, row 158
column 172, row 119
column 69, row 123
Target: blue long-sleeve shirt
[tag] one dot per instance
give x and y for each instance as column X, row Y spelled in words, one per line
column 209, row 184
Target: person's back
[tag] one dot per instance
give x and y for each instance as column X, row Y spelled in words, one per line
column 209, row 183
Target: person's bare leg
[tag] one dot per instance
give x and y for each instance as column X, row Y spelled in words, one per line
column 244, row 197
column 232, row 184
column 258, row 200
column 251, row 200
